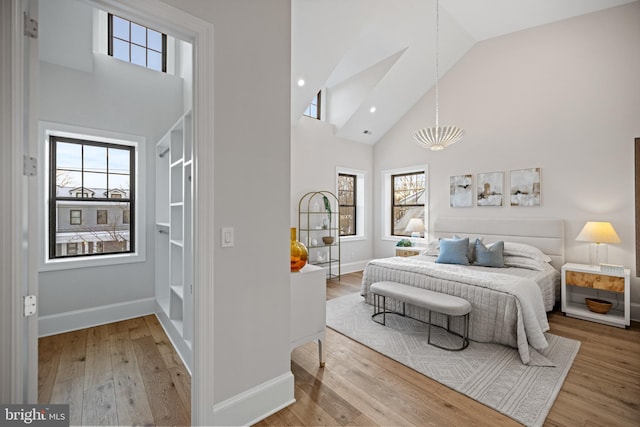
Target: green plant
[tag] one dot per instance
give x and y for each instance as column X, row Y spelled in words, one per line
column 404, row 243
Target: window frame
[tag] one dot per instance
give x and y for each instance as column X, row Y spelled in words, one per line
column 45, row 130
column 361, row 201
column 111, row 36
column 387, row 208
column 353, row 206
column 317, row 102
column 90, row 200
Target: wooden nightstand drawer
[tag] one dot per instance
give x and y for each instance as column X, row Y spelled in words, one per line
column 408, row 251
column 595, row 281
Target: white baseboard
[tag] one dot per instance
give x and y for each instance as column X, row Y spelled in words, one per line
column 86, row 318
column 257, row 403
column 352, row 267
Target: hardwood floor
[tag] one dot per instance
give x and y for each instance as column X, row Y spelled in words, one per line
column 124, row 373
column 127, row 373
column 360, row 387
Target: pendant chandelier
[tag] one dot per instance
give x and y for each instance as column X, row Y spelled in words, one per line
column 438, row 137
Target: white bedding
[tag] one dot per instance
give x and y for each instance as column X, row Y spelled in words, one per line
column 508, row 304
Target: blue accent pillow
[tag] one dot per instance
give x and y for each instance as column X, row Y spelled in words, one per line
column 453, row 251
column 491, row 256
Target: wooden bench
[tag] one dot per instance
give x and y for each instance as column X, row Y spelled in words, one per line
column 448, row 305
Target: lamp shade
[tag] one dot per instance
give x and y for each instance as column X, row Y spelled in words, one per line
column 415, row 225
column 598, row 232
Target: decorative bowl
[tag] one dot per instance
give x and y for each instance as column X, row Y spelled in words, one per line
column 328, row 240
column 598, row 305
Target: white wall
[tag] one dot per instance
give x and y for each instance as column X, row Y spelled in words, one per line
column 564, row 97
column 252, row 61
column 315, row 154
column 118, row 97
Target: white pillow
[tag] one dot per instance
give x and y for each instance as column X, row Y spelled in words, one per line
column 524, row 250
column 433, row 248
column 524, row 262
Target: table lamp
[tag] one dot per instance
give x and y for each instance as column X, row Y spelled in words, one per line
column 598, row 233
column 416, row 228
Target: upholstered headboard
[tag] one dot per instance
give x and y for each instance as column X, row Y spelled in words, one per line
column 545, row 234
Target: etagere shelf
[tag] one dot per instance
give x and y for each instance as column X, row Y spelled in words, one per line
column 318, row 230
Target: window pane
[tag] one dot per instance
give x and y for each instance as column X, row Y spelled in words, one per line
column 347, row 221
column 138, row 34
column 119, row 182
column 120, row 28
column 121, row 50
column 155, row 60
column 66, row 181
column 97, row 182
column 118, row 160
column 154, row 40
column 95, row 159
column 138, row 55
column 69, row 156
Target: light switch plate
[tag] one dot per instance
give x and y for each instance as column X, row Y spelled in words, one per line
column 226, row 237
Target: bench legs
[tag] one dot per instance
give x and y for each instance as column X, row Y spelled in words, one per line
column 464, row 336
column 382, row 309
column 377, row 309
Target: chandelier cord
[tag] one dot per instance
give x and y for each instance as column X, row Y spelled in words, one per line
column 437, row 58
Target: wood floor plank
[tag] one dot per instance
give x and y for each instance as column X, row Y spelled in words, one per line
column 179, row 373
column 49, row 350
column 69, row 383
column 165, row 403
column 99, row 401
column 131, row 396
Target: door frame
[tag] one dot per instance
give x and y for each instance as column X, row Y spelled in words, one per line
column 12, row 337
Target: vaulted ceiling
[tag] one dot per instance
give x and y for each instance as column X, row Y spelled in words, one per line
column 381, row 53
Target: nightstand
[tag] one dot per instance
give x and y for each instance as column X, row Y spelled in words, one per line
column 579, row 281
column 408, row 250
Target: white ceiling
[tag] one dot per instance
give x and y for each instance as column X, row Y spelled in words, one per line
column 382, row 52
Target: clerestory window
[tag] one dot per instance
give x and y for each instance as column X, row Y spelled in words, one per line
column 140, row 45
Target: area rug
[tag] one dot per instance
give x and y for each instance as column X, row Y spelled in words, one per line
column 491, row 374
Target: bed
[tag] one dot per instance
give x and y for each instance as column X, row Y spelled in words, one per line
column 509, row 304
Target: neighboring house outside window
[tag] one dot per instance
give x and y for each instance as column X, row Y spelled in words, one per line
column 137, row 44
column 314, row 109
column 84, row 174
column 347, row 190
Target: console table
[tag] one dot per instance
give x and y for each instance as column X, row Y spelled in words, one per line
column 308, row 307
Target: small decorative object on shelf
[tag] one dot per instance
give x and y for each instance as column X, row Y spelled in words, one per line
column 299, row 252
column 327, row 240
column 598, row 305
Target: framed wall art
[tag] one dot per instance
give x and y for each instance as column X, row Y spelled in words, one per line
column 461, row 191
column 525, row 187
column 490, row 189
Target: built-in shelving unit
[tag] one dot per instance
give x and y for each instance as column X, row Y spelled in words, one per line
column 174, row 237
column 318, row 218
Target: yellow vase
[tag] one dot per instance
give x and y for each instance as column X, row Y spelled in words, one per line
column 299, row 252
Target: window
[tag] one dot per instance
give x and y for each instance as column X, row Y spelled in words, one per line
column 405, row 195
column 347, row 190
column 75, row 217
column 102, row 216
column 313, row 110
column 137, row 44
column 82, row 175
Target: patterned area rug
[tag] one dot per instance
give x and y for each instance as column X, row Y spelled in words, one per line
column 492, row 374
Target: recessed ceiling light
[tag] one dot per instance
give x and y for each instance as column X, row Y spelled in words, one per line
column 372, row 109
column 300, row 82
